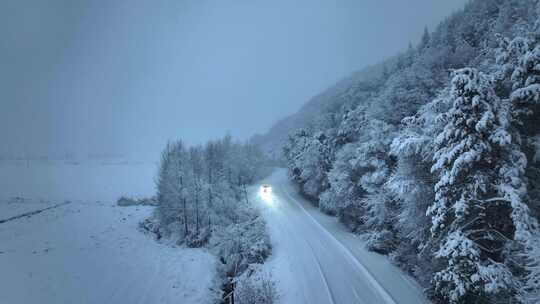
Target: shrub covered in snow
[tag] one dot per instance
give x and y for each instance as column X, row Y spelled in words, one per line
column 151, row 225
column 256, row 287
column 239, row 245
column 129, row 201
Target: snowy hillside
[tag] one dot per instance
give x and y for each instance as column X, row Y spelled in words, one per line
column 334, row 97
column 434, row 162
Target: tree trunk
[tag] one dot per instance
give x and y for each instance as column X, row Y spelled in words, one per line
column 210, row 187
column 246, row 194
column 197, row 211
column 185, row 218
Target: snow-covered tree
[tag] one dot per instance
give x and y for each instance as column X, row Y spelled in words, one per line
column 309, row 160
column 518, row 73
column 424, row 42
column 356, row 180
column 203, row 187
column 374, row 163
column 171, row 184
column 479, row 135
column 478, row 210
column 404, row 92
column 412, row 186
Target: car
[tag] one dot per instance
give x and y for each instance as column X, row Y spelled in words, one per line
column 266, row 188
column 265, row 193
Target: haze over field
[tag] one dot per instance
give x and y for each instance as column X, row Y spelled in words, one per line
column 123, row 77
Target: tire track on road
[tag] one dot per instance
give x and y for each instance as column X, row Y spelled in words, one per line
column 371, row 279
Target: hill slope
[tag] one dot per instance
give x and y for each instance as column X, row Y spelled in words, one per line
column 433, row 155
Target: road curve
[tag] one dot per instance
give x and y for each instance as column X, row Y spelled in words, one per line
column 316, row 261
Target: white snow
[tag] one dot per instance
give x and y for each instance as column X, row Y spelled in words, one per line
column 93, row 253
column 88, row 251
column 315, row 260
column 18, row 205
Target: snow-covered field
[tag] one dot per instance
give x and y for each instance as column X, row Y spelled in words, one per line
column 89, row 251
column 315, row 260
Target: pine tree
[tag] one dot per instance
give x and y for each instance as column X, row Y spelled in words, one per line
column 309, row 159
column 518, row 74
column 412, row 185
column 425, row 39
column 526, row 97
column 478, row 209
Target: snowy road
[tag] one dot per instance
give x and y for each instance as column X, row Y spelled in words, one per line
column 316, row 261
column 93, row 253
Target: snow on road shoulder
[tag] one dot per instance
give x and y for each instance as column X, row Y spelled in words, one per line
column 278, row 266
column 394, row 281
column 94, row 253
column 304, row 237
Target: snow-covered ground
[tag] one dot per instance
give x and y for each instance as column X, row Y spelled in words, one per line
column 14, row 206
column 88, row 251
column 315, row 260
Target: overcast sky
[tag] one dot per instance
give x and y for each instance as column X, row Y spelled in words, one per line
column 125, row 76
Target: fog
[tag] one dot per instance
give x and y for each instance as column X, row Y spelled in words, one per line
column 123, row 77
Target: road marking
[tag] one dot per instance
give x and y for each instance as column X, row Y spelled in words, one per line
column 321, row 272
column 376, row 285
